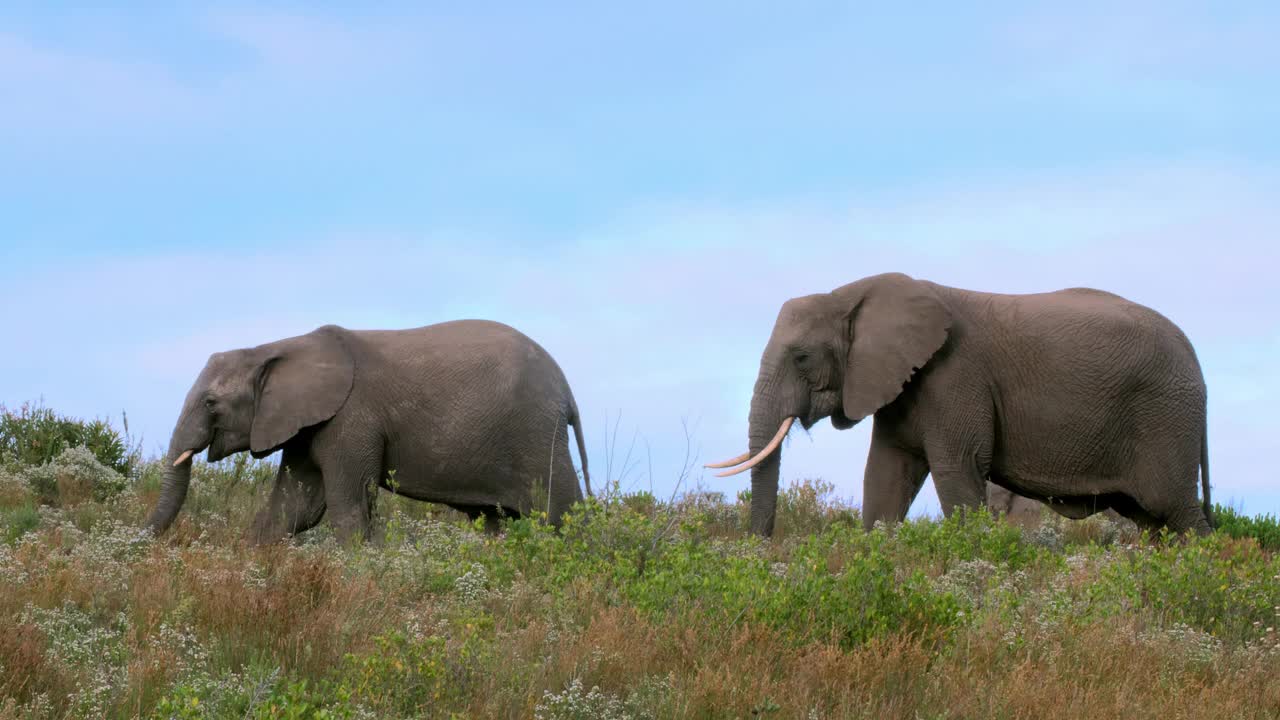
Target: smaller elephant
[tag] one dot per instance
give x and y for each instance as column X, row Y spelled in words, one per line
column 1024, row 511
column 471, row 414
column 1016, row 508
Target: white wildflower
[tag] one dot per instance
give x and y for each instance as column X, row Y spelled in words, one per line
column 472, row 585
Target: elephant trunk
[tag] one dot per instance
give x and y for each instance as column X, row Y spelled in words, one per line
column 763, row 424
column 189, row 436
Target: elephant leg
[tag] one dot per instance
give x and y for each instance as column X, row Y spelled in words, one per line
column 960, row 480
column 1130, row 509
column 999, row 499
column 958, row 489
column 492, row 523
column 1190, row 518
column 350, row 488
column 351, row 506
column 564, row 487
column 890, row 483
column 1170, row 502
column 546, row 477
column 473, row 513
column 1182, row 517
column 492, row 516
column 297, row 501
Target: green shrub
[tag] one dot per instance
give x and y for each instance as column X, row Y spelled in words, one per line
column 808, row 506
column 965, row 537
column 34, row 435
column 849, row 585
column 1263, row 528
column 405, row 673
column 839, row 585
column 259, row 693
column 1217, row 584
column 18, row 521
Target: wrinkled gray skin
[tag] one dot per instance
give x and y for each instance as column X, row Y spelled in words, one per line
column 1078, row 398
column 470, row 413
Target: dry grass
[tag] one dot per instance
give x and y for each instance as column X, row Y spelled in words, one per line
column 638, row 610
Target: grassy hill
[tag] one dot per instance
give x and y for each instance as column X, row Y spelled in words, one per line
column 639, row 609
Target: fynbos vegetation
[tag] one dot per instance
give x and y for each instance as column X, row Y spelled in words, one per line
column 638, row 608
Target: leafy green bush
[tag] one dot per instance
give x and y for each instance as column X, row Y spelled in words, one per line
column 258, row 693
column 1263, row 528
column 967, row 536
column 18, row 521
column 35, row 435
column 840, row 584
column 398, row 677
column 1216, row 584
column 808, row 505
column 848, row 585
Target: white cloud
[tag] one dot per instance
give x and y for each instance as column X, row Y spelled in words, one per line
column 281, row 61
column 847, row 69
column 1145, row 35
column 42, row 85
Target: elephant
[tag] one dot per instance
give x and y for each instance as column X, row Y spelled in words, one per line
column 1079, row 399
column 1023, row 511
column 469, row 413
column 1016, row 508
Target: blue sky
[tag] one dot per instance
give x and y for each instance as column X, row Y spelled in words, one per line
column 638, row 190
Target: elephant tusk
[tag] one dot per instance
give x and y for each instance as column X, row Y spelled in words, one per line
column 183, row 458
column 766, row 452
column 729, row 463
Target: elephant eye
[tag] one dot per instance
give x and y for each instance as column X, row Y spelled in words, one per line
column 802, row 358
column 209, row 403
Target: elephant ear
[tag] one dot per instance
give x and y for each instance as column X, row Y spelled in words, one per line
column 896, row 324
column 303, row 381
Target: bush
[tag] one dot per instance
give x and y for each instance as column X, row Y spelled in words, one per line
column 809, row 506
column 75, row 475
column 969, row 536
column 34, row 435
column 14, row 490
column 577, row 703
column 1263, row 528
column 1217, row 584
column 18, row 521
column 636, row 608
column 258, row 693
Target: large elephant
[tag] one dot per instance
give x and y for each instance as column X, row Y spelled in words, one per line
column 470, row 413
column 1078, row 398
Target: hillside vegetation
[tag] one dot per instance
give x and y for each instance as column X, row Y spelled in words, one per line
column 639, row 608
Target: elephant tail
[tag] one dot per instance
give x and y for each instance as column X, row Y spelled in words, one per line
column 576, row 421
column 1204, row 473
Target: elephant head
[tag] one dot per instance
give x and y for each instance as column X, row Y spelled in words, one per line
column 843, row 355
column 254, row 399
